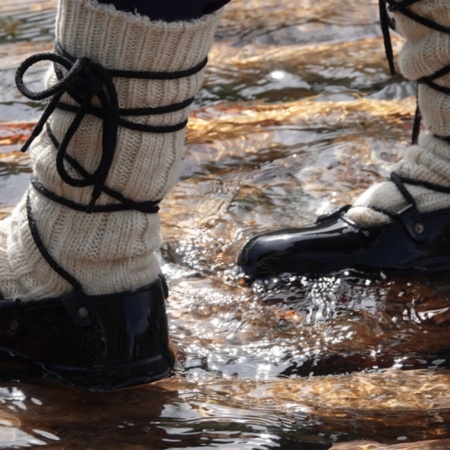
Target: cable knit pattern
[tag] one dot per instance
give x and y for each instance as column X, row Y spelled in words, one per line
column 425, row 52
column 107, row 252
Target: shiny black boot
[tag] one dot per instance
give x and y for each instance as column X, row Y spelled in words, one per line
column 410, row 240
column 98, row 343
column 82, row 296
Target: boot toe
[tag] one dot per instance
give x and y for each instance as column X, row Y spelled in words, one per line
column 335, row 244
column 312, row 250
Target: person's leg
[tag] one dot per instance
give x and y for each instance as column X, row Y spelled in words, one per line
column 402, row 223
column 79, row 249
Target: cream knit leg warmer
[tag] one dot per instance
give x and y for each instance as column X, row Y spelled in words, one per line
column 425, row 52
column 113, row 251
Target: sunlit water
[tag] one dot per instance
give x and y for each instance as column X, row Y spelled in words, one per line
column 298, row 113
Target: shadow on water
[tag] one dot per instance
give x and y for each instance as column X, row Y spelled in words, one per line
column 297, row 114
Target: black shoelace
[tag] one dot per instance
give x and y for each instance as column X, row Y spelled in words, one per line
column 387, row 23
column 85, row 80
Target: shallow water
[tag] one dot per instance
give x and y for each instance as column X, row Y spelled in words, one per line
column 298, row 113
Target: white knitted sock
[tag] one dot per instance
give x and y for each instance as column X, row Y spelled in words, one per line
column 106, row 251
column 425, row 52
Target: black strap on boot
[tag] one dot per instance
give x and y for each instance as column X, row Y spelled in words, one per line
column 83, row 80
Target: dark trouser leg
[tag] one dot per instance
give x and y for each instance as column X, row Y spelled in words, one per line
column 169, row 10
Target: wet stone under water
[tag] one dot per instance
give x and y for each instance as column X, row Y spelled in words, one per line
column 297, row 114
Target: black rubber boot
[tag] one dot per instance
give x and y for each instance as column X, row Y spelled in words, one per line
column 409, row 239
column 82, row 299
column 409, row 242
column 98, row 343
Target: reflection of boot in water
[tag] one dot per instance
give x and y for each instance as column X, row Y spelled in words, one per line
column 402, row 223
column 82, row 293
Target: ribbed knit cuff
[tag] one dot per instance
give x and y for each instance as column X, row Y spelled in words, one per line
column 120, row 40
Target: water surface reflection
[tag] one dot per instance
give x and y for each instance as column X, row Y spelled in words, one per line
column 297, row 114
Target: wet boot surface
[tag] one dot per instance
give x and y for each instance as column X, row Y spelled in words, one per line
column 298, row 113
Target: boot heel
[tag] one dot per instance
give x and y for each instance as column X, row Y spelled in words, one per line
column 99, row 343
